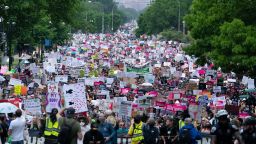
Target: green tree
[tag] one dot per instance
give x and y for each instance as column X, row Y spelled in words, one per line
column 162, row 15
column 208, row 23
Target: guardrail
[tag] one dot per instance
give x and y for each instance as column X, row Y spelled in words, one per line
column 206, row 139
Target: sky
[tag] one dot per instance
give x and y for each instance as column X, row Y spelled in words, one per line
column 136, row 4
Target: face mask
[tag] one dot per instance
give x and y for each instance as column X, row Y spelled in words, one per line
column 82, row 123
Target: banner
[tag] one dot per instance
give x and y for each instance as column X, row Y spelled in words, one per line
column 74, row 95
column 32, row 106
column 138, row 70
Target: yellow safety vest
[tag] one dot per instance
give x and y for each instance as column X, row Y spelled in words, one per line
column 51, row 129
column 137, row 133
column 181, row 124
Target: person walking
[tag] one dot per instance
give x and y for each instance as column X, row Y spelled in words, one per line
column 52, row 128
column 223, row 132
column 70, row 128
column 93, row 136
column 17, row 128
column 135, row 130
column 150, row 132
column 188, row 134
column 107, row 130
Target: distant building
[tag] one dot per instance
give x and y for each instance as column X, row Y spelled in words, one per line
column 136, row 4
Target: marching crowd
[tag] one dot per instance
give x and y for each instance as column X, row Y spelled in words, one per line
column 109, row 55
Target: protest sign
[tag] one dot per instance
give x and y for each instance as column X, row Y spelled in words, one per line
column 14, row 82
column 61, row 78
column 53, row 99
column 32, row 106
column 17, row 89
column 125, row 108
column 203, row 100
column 216, row 89
column 251, row 84
column 74, row 95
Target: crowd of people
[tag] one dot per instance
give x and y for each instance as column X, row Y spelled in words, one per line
column 116, row 89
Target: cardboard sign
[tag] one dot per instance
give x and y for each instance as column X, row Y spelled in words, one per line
column 61, row 78
column 14, row 82
column 32, row 106
column 125, row 108
column 53, row 99
column 75, row 96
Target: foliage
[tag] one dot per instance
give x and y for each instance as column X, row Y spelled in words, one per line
column 175, row 35
column 224, row 34
column 162, row 15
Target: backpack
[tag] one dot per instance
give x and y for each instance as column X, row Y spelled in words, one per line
column 150, row 135
column 64, row 136
column 185, row 137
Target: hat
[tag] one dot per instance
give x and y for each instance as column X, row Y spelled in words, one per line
column 70, row 112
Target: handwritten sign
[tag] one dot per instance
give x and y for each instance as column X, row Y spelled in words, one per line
column 32, row 106
column 74, row 95
column 53, row 98
column 14, row 82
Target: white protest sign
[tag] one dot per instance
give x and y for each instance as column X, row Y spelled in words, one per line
column 216, row 89
column 75, row 96
column 14, row 82
column 110, row 80
column 125, row 108
column 251, row 84
column 245, row 80
column 53, row 98
column 32, row 106
column 61, row 78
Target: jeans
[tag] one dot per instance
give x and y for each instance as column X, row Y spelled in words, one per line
column 17, row 142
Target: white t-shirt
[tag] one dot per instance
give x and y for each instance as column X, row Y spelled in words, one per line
column 17, row 127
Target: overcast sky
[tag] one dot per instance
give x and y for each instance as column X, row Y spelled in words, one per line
column 136, row 4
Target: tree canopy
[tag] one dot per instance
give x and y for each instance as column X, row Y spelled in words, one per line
column 224, row 33
column 162, row 15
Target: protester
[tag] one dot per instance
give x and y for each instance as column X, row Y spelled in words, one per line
column 188, row 134
column 170, row 131
column 93, row 136
column 107, row 130
column 249, row 131
column 135, row 130
column 223, row 132
column 150, row 132
column 4, row 126
column 52, row 128
column 17, row 127
column 70, row 128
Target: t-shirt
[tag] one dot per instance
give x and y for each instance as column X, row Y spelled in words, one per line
column 224, row 135
column 75, row 128
column 17, row 127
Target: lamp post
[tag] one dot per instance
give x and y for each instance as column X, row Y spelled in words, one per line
column 184, row 27
column 11, row 25
column 178, row 15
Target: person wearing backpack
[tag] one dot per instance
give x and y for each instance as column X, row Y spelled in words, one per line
column 52, row 128
column 150, row 132
column 188, row 134
column 70, row 129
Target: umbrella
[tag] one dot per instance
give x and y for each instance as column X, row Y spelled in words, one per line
column 250, row 90
column 147, row 84
column 244, row 96
column 7, row 108
column 25, row 57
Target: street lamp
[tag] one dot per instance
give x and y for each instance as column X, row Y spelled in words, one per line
column 184, row 27
column 179, row 15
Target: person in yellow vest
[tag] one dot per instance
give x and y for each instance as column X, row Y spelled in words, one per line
column 135, row 130
column 52, row 128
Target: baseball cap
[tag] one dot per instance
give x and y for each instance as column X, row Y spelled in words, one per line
column 70, row 112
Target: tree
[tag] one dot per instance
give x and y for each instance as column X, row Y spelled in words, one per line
column 162, row 15
column 209, row 20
